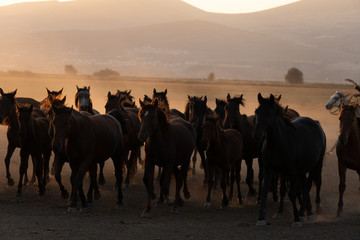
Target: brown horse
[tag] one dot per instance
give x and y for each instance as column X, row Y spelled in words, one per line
column 244, row 124
column 168, row 143
column 126, row 99
column 83, row 101
column 132, row 127
column 348, row 147
column 84, row 148
column 9, row 117
column 35, row 141
column 164, row 104
column 224, row 150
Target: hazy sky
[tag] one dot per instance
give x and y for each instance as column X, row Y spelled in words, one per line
column 224, row 6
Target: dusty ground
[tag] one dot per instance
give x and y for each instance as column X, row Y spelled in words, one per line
column 34, row 217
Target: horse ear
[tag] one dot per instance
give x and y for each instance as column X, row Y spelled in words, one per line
column 1, row 92
column 260, row 98
column 88, row 88
column 14, row 93
column 31, row 108
column 188, row 96
column 129, row 91
column 165, row 91
column 286, row 108
column 60, row 92
column 205, row 99
column 48, row 91
column 109, row 94
column 272, row 98
column 142, row 104
column 228, row 96
column 216, row 101
column 77, row 88
column 278, row 98
column 63, row 100
column 156, row 103
column 154, row 91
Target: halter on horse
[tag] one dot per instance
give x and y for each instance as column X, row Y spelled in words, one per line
column 335, row 101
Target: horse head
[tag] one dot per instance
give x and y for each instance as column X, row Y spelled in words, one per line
column 7, row 106
column 232, row 111
column 347, row 119
column 82, row 99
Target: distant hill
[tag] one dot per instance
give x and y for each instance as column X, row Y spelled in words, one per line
column 171, row 38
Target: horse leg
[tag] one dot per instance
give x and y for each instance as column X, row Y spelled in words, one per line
column 274, row 186
column 118, row 163
column 83, row 198
column 77, row 177
column 92, row 173
column 194, row 162
column 10, row 151
column 39, row 169
column 292, row 196
column 165, row 185
column 101, row 173
column 33, row 179
column 161, row 200
column 342, row 173
column 148, row 180
column 58, row 164
column 224, row 200
column 261, row 177
column 46, row 158
column 250, row 177
column 237, row 177
column 216, row 177
column 159, row 173
column 232, row 180
column 280, row 210
column 179, row 182
column 205, row 166
column 23, row 167
column 211, row 170
column 187, row 194
column 268, row 175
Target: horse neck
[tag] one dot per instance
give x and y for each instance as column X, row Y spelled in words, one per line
column 355, row 131
column 244, row 125
column 13, row 121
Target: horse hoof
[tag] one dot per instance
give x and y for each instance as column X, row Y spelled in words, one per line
column 261, row 223
column 101, row 181
column 252, row 193
column 145, row 215
column 72, row 210
column 169, row 201
column 187, row 195
column 340, row 214
column 311, row 218
column 18, row 194
column 10, row 182
column 277, row 216
column 297, row 224
column 207, row 205
column 119, row 206
column 302, row 219
column 174, row 211
column 97, row 195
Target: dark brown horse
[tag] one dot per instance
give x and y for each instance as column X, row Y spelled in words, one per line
column 348, row 147
column 220, row 109
column 9, row 117
column 84, row 148
column 293, row 149
column 224, row 150
column 164, row 104
column 196, row 111
column 244, row 124
column 126, row 99
column 168, row 143
column 35, row 141
column 132, row 126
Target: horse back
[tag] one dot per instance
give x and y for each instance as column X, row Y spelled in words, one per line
column 25, row 100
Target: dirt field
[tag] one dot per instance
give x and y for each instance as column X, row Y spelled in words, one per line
column 34, row 217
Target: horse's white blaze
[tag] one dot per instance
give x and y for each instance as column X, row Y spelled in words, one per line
column 146, row 113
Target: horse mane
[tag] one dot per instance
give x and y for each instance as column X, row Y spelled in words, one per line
column 163, row 117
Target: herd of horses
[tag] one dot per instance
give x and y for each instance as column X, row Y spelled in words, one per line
column 290, row 148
